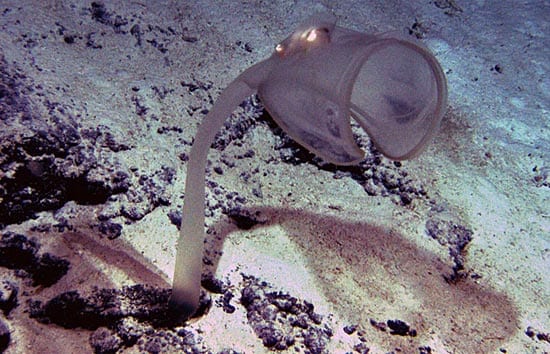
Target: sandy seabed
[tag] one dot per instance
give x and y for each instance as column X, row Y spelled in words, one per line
column 99, row 104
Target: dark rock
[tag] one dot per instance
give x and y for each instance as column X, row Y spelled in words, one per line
column 45, row 160
column 227, row 306
column 425, row 350
column 175, row 217
column 381, row 326
column 110, row 229
column 398, row 327
column 8, row 296
column 49, row 269
column 104, row 307
column 104, row 341
column 361, row 348
column 70, row 310
column 282, row 321
column 236, row 127
column 456, row 238
column 210, row 283
column 130, row 330
column 5, row 336
column 20, row 253
column 100, row 14
column 17, row 251
column 243, row 218
column 350, row 329
column 534, row 333
column 228, row 351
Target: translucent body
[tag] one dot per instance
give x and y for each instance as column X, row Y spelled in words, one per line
column 317, row 78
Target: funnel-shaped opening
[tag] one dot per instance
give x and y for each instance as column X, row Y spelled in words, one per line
column 399, row 97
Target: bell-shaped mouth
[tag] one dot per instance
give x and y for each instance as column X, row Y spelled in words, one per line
column 399, row 97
